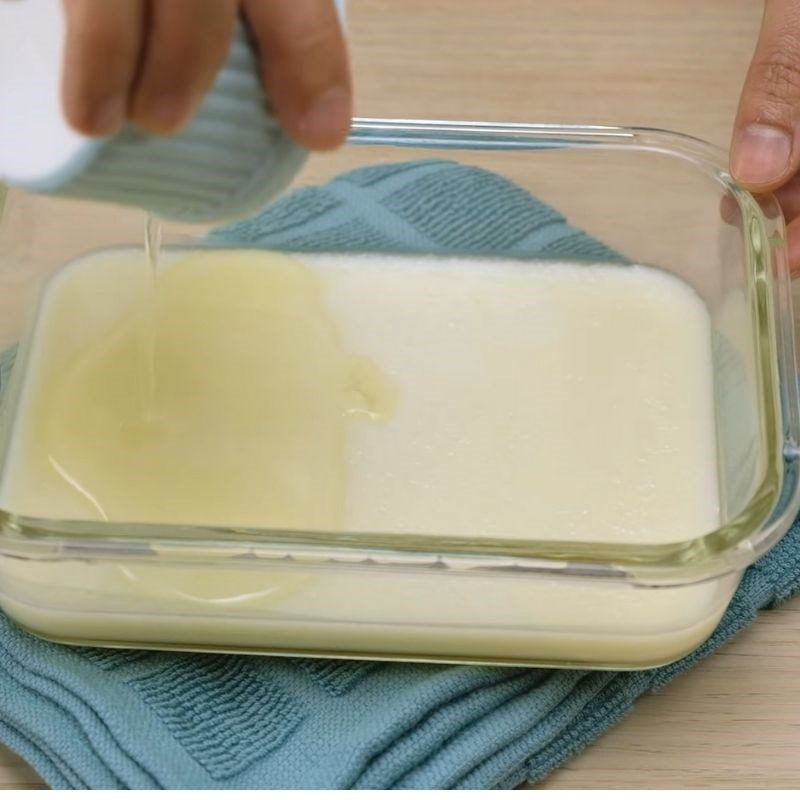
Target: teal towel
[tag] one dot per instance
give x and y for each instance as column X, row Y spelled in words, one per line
column 113, row 719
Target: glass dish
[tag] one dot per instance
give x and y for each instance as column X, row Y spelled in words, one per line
column 658, row 198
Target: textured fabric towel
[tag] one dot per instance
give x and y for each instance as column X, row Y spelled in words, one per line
column 95, row 718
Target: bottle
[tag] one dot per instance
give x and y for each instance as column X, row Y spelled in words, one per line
column 230, row 161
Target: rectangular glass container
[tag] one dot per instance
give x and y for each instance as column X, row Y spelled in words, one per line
column 655, row 198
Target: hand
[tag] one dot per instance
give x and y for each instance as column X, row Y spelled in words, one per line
column 153, row 61
column 765, row 151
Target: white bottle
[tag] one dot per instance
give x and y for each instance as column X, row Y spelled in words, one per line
column 231, row 160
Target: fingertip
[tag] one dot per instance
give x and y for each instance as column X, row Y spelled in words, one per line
column 325, row 123
column 106, row 118
column 93, row 116
column 163, row 115
column 761, row 156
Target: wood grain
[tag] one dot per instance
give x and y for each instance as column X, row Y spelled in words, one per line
column 733, row 722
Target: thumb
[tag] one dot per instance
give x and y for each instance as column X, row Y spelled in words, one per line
column 765, row 151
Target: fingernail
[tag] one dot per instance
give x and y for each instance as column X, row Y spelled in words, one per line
column 327, row 120
column 108, row 116
column 760, row 154
column 164, row 114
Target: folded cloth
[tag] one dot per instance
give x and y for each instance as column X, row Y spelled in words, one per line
column 114, row 718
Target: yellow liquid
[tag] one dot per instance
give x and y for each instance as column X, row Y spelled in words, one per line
column 379, row 394
column 246, row 415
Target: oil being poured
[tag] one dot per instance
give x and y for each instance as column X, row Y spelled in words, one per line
column 149, row 327
column 221, row 395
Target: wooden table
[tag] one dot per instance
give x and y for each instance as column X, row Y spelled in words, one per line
column 735, row 720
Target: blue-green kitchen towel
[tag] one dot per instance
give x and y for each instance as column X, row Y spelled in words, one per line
column 113, row 719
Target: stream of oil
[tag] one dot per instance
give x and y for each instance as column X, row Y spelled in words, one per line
column 149, row 327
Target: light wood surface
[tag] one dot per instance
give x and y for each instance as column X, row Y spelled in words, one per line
column 734, row 722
